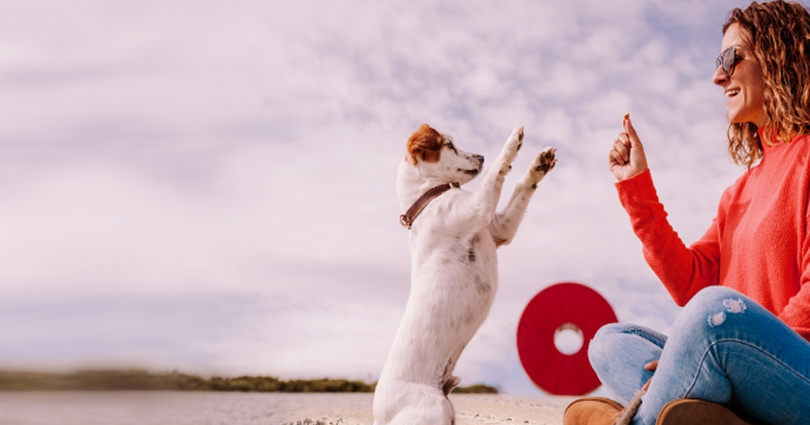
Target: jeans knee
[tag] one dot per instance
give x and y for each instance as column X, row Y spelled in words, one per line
column 599, row 347
column 710, row 308
column 602, row 339
column 607, row 341
column 618, row 352
column 713, row 293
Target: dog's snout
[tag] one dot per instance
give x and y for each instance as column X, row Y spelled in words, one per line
column 479, row 158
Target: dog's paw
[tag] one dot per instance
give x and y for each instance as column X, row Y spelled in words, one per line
column 544, row 162
column 510, row 150
column 514, row 142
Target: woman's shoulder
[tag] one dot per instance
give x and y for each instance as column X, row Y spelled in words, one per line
column 794, row 154
column 780, row 161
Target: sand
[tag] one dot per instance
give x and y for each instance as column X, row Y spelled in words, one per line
column 471, row 409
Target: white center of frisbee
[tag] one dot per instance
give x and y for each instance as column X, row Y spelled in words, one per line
column 568, row 339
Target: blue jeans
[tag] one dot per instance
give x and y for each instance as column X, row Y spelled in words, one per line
column 722, row 348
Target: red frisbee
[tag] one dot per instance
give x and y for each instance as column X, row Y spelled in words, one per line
column 561, row 306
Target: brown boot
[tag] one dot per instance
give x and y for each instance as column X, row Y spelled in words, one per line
column 592, row 411
column 697, row 412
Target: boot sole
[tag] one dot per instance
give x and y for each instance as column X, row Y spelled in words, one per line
column 697, row 412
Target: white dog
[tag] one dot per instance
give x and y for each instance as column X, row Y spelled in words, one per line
column 453, row 237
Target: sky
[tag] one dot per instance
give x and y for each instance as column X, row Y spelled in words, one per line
column 209, row 187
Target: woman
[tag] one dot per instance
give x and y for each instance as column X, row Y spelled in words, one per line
column 739, row 348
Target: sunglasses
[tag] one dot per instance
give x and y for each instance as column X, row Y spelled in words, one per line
column 728, row 59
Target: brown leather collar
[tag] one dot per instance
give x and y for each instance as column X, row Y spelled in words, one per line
column 420, row 204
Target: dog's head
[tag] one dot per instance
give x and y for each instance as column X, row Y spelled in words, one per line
column 436, row 157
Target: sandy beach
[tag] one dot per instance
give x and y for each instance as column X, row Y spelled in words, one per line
column 471, row 409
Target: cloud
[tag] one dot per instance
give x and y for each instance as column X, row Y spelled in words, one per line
column 242, row 156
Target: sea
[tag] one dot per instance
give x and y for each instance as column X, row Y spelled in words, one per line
column 164, row 408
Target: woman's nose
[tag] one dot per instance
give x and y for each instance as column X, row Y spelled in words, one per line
column 719, row 76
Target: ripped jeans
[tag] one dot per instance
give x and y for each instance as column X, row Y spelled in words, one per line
column 723, row 348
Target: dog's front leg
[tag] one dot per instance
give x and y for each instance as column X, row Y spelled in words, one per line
column 505, row 224
column 484, row 199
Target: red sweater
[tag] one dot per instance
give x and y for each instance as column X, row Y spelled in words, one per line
column 758, row 244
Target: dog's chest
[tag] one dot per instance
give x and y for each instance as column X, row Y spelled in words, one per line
column 474, row 250
column 464, row 265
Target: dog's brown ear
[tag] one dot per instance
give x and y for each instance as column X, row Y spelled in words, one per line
column 425, row 145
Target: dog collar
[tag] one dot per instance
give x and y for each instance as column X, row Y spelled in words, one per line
column 420, row 204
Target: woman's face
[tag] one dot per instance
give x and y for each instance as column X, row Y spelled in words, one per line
column 744, row 88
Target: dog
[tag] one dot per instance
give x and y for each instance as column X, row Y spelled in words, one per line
column 453, row 238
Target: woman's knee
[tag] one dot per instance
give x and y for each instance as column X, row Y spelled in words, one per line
column 710, row 295
column 615, row 340
column 711, row 308
column 618, row 353
column 605, row 338
column 713, row 303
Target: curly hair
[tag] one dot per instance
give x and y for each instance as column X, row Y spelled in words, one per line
column 779, row 34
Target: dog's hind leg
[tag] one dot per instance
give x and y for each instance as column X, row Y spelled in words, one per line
column 505, row 224
column 449, row 381
column 429, row 408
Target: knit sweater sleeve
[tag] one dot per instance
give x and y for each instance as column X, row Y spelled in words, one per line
column 683, row 270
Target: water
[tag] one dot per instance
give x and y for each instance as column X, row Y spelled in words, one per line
column 163, row 408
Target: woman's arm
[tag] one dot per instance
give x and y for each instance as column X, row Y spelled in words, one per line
column 683, row 270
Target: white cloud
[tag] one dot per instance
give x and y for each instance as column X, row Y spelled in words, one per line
column 250, row 148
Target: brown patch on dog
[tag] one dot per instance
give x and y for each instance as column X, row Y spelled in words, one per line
column 547, row 162
column 447, row 387
column 425, row 144
column 448, row 384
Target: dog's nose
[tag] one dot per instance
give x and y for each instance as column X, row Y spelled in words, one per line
column 480, row 158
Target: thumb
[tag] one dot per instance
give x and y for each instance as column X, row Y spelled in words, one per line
column 638, row 159
column 635, row 142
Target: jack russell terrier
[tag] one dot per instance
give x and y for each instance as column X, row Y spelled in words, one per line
column 453, row 237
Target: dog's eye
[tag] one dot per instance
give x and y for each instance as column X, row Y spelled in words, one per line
column 449, row 145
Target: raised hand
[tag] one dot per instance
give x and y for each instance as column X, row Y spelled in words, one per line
column 627, row 157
